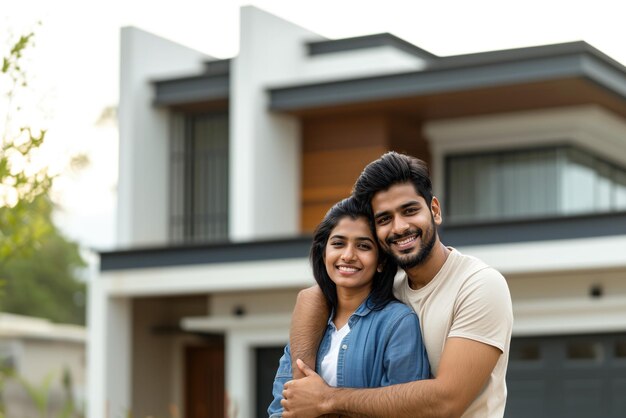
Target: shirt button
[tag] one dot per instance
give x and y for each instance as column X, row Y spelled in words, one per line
column 344, row 347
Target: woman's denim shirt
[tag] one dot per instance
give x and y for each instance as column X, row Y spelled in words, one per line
column 383, row 347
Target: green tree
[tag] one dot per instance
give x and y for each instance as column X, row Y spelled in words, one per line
column 38, row 265
column 42, row 282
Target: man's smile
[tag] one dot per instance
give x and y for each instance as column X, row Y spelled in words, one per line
column 405, row 241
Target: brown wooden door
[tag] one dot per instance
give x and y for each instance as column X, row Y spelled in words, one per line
column 204, row 380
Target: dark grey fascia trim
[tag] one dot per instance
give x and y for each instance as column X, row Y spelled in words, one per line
column 367, row 41
column 205, row 254
column 425, row 82
column 461, row 73
column 521, row 54
column 588, row 226
column 217, row 67
column 192, row 90
column 605, row 75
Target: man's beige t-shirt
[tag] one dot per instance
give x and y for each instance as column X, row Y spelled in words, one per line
column 468, row 299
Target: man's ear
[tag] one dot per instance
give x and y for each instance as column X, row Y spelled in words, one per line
column 435, row 209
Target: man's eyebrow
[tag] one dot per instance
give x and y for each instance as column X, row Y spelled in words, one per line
column 379, row 214
column 402, row 206
column 411, row 203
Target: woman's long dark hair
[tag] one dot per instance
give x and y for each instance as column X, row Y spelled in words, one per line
column 382, row 284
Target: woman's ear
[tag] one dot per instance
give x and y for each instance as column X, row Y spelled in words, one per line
column 380, row 267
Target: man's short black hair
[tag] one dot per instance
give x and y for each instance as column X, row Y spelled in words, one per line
column 390, row 169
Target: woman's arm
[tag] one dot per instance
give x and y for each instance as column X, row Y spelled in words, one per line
column 308, row 323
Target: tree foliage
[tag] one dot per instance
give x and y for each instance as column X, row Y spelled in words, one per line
column 41, row 282
column 38, row 266
column 21, row 181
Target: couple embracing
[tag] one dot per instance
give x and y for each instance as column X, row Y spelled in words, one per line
column 430, row 339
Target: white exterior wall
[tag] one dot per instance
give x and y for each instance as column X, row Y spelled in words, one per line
column 356, row 63
column 144, row 133
column 41, row 352
column 108, row 353
column 265, row 154
column 42, row 357
column 264, row 149
column 550, row 283
column 218, row 277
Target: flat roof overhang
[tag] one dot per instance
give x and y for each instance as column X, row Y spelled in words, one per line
column 491, row 82
column 207, row 91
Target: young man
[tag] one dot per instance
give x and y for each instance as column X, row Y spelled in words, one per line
column 464, row 308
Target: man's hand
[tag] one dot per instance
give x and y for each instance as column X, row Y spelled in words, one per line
column 306, row 397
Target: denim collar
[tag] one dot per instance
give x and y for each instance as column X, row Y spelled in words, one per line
column 363, row 310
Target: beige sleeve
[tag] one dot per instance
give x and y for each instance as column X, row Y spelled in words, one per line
column 483, row 310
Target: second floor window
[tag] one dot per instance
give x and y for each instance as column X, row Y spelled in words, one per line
column 199, row 178
column 523, row 184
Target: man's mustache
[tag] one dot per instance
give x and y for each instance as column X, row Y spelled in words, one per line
column 395, row 237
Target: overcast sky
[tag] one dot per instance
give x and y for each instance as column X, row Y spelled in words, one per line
column 74, row 66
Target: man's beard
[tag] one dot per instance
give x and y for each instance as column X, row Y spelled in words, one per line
column 406, row 262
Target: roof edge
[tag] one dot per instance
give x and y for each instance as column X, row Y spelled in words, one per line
column 367, row 41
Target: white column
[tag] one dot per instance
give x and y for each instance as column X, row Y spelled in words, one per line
column 264, row 148
column 109, row 351
column 241, row 365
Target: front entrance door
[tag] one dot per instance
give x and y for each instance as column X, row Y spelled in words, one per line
column 204, row 379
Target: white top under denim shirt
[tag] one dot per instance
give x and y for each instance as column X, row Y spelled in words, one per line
column 328, row 366
column 384, row 347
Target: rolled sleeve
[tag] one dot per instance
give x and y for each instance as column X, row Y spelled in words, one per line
column 283, row 375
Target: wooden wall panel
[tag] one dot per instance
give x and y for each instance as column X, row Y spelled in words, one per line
column 336, row 148
column 405, row 136
column 336, row 132
column 328, row 177
column 335, row 151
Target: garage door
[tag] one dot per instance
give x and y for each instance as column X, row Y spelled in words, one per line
column 567, row 376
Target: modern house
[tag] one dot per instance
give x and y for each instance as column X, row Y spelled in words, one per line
column 226, row 166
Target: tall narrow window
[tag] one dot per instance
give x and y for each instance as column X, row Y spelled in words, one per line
column 199, row 178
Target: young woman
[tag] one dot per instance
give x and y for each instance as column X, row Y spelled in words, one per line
column 372, row 339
